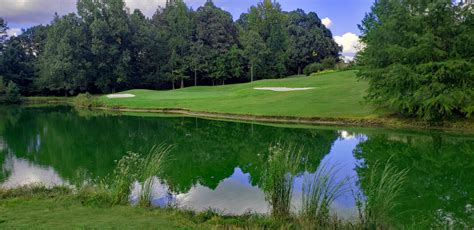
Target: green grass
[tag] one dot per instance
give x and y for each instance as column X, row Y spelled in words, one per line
column 67, row 213
column 336, row 95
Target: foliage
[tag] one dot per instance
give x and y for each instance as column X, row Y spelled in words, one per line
column 278, row 178
column 313, row 68
column 12, row 94
column 418, row 58
column 105, row 48
column 310, row 41
column 329, row 63
column 86, row 100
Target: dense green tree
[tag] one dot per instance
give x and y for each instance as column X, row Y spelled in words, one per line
column 268, row 20
column 255, row 51
column 310, row 41
column 63, row 66
column 419, row 57
column 109, row 34
column 217, row 33
column 19, row 56
column 149, row 52
column 176, row 20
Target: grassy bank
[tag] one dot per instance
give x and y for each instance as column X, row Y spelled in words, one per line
column 61, row 208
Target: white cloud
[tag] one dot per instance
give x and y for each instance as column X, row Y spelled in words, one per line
column 327, row 22
column 350, row 43
column 13, row 32
column 148, row 7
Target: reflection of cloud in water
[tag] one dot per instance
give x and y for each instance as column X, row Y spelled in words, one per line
column 234, row 195
column 24, row 172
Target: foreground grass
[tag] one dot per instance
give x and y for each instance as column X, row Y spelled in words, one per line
column 336, row 95
column 67, row 213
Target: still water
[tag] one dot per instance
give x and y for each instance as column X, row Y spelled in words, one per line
column 219, row 164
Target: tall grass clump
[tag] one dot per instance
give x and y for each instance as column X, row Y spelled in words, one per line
column 382, row 186
column 278, row 178
column 134, row 167
column 319, row 191
column 150, row 168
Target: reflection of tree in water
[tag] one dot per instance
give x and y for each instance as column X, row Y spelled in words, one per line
column 205, row 152
column 440, row 180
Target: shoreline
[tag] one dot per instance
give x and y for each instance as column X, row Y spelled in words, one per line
column 464, row 126
column 460, row 126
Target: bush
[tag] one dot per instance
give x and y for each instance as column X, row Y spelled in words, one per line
column 313, row 68
column 86, row 100
column 329, row 63
column 12, row 94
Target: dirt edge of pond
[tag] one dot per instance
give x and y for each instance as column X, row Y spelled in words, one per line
column 387, row 122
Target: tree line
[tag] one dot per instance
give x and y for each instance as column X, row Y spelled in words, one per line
column 106, row 48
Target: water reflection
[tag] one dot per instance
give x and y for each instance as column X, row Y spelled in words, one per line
column 219, row 165
column 20, row 172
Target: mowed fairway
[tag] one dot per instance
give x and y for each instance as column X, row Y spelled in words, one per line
column 335, row 95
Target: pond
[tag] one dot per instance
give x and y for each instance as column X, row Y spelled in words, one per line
column 219, row 164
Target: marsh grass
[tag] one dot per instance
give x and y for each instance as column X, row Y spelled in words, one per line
column 278, row 178
column 135, row 167
column 383, row 184
column 150, row 168
column 319, row 192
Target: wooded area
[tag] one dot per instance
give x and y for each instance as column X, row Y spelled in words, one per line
column 105, row 48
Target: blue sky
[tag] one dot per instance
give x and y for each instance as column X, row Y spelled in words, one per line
column 341, row 16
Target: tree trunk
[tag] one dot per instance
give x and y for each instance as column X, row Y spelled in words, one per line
column 251, row 73
column 299, row 70
column 182, row 82
column 223, row 81
column 195, row 78
column 213, row 82
column 172, row 82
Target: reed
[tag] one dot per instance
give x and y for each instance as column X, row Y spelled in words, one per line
column 278, row 178
column 151, row 167
column 319, row 192
column 382, row 186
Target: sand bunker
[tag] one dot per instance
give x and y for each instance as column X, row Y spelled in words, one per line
column 123, row 95
column 283, row 89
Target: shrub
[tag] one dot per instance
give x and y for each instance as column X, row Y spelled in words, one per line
column 12, row 94
column 86, row 100
column 329, row 62
column 313, row 68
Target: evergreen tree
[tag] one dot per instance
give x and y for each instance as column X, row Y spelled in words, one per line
column 419, row 57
